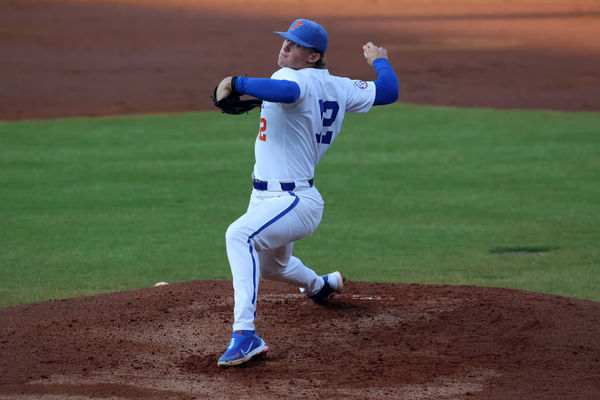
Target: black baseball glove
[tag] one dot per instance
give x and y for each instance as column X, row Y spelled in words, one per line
column 232, row 104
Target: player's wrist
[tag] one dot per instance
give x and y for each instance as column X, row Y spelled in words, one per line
column 381, row 63
column 233, row 84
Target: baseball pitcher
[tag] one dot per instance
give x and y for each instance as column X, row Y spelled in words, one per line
column 302, row 109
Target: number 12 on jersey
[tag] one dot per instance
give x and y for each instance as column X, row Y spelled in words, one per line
column 261, row 130
column 329, row 112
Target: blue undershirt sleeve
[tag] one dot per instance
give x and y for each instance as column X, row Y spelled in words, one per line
column 387, row 88
column 274, row 90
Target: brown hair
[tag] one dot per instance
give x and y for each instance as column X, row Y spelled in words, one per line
column 321, row 63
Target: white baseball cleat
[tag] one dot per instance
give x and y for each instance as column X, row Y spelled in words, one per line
column 334, row 282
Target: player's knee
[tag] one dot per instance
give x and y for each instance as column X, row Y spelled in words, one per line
column 231, row 234
column 236, row 233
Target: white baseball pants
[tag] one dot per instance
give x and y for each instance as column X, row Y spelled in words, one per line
column 260, row 243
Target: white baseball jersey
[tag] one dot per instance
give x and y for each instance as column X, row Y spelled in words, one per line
column 293, row 137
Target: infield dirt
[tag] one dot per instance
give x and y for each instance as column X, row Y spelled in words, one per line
column 375, row 341
column 105, row 57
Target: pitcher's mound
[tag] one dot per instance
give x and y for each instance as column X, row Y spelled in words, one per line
column 374, row 341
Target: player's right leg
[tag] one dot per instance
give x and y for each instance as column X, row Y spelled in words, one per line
column 279, row 265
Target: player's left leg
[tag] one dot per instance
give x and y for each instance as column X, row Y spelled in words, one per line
column 271, row 222
column 270, row 215
column 264, row 224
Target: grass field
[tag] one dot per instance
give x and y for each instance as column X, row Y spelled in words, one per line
column 413, row 194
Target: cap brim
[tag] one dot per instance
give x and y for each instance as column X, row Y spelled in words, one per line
column 295, row 39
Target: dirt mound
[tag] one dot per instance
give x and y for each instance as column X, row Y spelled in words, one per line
column 374, row 341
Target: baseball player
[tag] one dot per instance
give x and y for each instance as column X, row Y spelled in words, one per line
column 301, row 115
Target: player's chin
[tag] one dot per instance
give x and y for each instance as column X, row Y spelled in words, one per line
column 282, row 61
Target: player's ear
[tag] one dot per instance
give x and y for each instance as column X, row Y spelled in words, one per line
column 314, row 57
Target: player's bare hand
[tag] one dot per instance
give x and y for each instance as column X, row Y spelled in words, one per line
column 224, row 89
column 372, row 52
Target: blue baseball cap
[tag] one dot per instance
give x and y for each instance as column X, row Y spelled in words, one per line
column 307, row 33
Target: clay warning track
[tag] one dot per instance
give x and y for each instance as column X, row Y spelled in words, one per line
column 374, row 341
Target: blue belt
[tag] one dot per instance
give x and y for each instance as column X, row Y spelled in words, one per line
column 285, row 186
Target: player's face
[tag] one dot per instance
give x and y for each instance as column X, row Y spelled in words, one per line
column 294, row 56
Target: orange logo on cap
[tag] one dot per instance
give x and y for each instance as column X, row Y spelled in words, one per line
column 297, row 24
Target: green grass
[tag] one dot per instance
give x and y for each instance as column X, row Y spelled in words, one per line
column 413, row 194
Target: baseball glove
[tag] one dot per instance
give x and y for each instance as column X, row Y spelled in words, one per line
column 232, row 104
